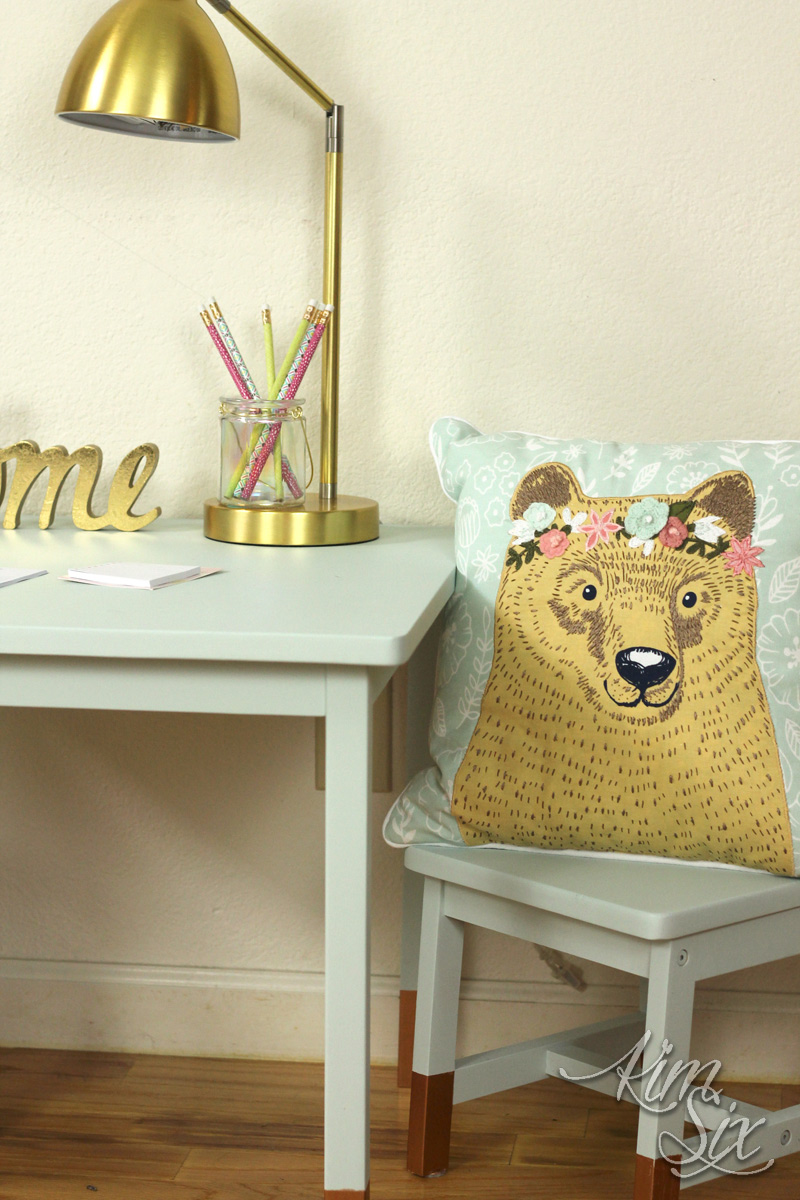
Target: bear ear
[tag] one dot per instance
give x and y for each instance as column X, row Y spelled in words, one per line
column 552, row 484
column 729, row 496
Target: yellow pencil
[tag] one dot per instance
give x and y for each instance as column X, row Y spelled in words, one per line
column 269, row 348
column 291, row 353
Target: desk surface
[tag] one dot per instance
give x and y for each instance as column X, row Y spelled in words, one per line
column 368, row 604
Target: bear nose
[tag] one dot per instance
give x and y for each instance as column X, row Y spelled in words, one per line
column 644, row 667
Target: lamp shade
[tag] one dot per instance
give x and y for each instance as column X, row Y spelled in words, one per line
column 153, row 68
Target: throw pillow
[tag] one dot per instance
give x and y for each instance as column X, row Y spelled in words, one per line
column 620, row 666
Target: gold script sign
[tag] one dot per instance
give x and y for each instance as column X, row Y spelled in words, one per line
column 125, row 488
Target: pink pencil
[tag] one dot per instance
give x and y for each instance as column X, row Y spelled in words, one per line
column 241, row 386
column 290, row 479
column 316, row 338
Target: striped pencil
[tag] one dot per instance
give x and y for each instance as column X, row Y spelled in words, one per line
column 241, row 386
column 289, row 477
column 308, row 319
column 308, row 354
column 233, row 349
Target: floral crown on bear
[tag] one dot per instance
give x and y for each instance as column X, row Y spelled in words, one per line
column 648, row 520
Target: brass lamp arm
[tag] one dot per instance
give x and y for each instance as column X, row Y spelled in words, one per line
column 271, row 50
column 332, row 253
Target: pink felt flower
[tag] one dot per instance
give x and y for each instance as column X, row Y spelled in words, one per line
column 599, row 528
column 553, row 543
column 742, row 557
column 674, row 533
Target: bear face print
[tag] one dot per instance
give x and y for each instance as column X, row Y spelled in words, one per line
column 624, row 708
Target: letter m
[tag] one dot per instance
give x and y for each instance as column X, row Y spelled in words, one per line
column 31, row 462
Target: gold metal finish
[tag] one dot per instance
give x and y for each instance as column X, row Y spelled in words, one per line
column 126, row 486
column 279, row 58
column 348, row 519
column 157, row 68
column 332, row 274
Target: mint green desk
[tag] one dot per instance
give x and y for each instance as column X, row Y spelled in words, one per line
column 311, row 632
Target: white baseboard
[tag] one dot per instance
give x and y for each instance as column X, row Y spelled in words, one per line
column 149, row 1008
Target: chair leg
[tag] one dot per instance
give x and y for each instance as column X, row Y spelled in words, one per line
column 405, row 1036
column 670, row 999
column 413, row 886
column 654, row 1180
column 432, row 1078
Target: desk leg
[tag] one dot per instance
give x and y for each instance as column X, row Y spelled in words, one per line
column 348, row 803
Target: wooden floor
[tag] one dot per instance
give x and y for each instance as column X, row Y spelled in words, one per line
column 136, row 1127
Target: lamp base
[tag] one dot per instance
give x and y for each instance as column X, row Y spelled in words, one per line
column 338, row 522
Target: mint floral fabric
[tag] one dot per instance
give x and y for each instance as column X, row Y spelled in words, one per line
column 480, row 472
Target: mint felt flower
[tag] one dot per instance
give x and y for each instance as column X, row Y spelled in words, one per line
column 539, row 515
column 646, row 518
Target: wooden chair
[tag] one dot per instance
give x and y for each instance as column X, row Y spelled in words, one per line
column 671, row 924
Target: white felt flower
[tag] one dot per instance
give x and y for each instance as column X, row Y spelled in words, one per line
column 707, row 531
column 574, row 522
column 645, row 543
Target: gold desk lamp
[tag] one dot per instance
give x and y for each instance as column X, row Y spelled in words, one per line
column 159, row 68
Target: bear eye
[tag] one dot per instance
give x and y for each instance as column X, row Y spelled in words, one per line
column 689, row 599
column 589, row 592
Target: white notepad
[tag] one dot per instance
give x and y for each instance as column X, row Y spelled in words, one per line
column 133, row 574
column 10, row 575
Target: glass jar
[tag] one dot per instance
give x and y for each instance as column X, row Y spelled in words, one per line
column 264, row 454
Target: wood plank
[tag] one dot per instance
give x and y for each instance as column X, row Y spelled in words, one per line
column 158, row 1128
column 32, row 1187
column 62, row 1156
column 90, row 1064
column 618, row 1122
column 543, row 1150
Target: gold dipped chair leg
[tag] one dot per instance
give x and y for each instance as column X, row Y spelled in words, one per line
column 433, row 1076
column 429, row 1122
column 654, row 1180
column 405, row 1037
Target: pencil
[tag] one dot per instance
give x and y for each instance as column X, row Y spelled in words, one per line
column 269, row 352
column 266, row 443
column 233, row 349
column 308, row 353
column 306, row 323
column 233, row 488
column 241, row 386
column 269, row 348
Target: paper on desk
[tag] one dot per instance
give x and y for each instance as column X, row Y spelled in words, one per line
column 147, row 576
column 9, row 575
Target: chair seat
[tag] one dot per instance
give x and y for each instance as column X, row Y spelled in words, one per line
column 649, row 898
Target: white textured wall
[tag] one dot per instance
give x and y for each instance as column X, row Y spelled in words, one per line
column 570, row 216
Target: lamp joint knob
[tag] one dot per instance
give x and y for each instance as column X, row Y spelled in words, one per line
column 335, row 130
